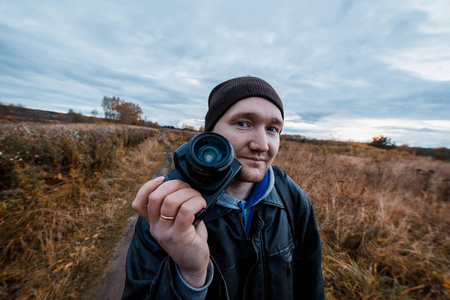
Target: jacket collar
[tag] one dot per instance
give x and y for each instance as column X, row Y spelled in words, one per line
column 270, row 197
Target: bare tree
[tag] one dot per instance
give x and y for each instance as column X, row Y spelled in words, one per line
column 122, row 111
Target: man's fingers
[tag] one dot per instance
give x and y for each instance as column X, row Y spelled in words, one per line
column 168, row 202
column 186, row 213
column 141, row 201
column 158, row 196
column 172, row 203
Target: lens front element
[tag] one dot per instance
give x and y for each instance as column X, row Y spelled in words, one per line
column 209, row 154
column 209, row 158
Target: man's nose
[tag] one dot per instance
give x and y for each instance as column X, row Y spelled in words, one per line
column 259, row 141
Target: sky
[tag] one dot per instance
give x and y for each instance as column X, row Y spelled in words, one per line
column 345, row 70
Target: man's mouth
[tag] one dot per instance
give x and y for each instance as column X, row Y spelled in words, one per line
column 255, row 159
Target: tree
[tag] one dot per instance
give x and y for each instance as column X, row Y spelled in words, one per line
column 129, row 113
column 110, row 107
column 75, row 117
column 382, row 142
column 122, row 111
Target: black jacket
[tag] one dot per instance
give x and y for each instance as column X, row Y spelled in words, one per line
column 266, row 265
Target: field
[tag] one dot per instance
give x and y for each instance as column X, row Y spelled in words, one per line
column 66, row 192
column 65, row 199
column 383, row 219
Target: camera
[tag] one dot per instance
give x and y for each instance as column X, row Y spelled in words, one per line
column 208, row 165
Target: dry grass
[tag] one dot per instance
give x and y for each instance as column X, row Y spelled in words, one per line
column 66, row 194
column 383, row 219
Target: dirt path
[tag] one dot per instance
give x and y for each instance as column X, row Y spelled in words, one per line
column 113, row 279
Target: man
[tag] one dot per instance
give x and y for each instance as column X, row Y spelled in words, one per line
column 246, row 247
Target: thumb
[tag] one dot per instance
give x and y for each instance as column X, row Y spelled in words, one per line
column 202, row 230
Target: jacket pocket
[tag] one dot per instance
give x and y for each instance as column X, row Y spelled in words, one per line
column 280, row 273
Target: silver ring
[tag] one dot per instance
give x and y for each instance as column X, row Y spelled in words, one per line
column 167, row 218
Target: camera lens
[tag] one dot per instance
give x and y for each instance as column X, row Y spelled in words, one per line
column 209, row 154
column 209, row 157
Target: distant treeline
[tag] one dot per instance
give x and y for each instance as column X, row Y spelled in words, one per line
column 440, row 153
column 15, row 113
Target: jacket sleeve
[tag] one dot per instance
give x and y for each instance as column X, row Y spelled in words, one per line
column 152, row 274
column 308, row 253
column 148, row 268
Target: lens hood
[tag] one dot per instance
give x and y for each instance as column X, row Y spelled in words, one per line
column 207, row 164
column 209, row 157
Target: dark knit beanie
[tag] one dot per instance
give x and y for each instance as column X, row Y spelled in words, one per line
column 223, row 96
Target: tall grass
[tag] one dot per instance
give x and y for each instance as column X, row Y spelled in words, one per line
column 384, row 220
column 66, row 194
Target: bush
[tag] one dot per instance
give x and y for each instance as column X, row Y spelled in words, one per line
column 382, row 142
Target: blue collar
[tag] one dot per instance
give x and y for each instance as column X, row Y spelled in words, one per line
column 258, row 191
column 226, row 200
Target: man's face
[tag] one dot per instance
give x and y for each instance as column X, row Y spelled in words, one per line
column 253, row 127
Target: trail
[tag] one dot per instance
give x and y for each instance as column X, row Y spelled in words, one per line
column 113, row 279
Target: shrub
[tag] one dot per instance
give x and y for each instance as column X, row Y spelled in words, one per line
column 382, row 142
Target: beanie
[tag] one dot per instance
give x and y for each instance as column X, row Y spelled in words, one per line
column 223, row 96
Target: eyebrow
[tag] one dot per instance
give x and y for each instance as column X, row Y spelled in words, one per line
column 251, row 115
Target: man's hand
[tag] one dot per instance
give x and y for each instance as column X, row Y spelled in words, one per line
column 170, row 208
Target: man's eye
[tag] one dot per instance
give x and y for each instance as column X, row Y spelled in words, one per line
column 273, row 130
column 242, row 124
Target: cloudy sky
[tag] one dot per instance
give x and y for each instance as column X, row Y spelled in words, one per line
column 346, row 70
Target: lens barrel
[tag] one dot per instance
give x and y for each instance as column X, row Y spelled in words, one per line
column 209, row 157
column 208, row 165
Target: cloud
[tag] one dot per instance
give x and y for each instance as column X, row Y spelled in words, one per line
column 332, row 62
column 428, row 133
